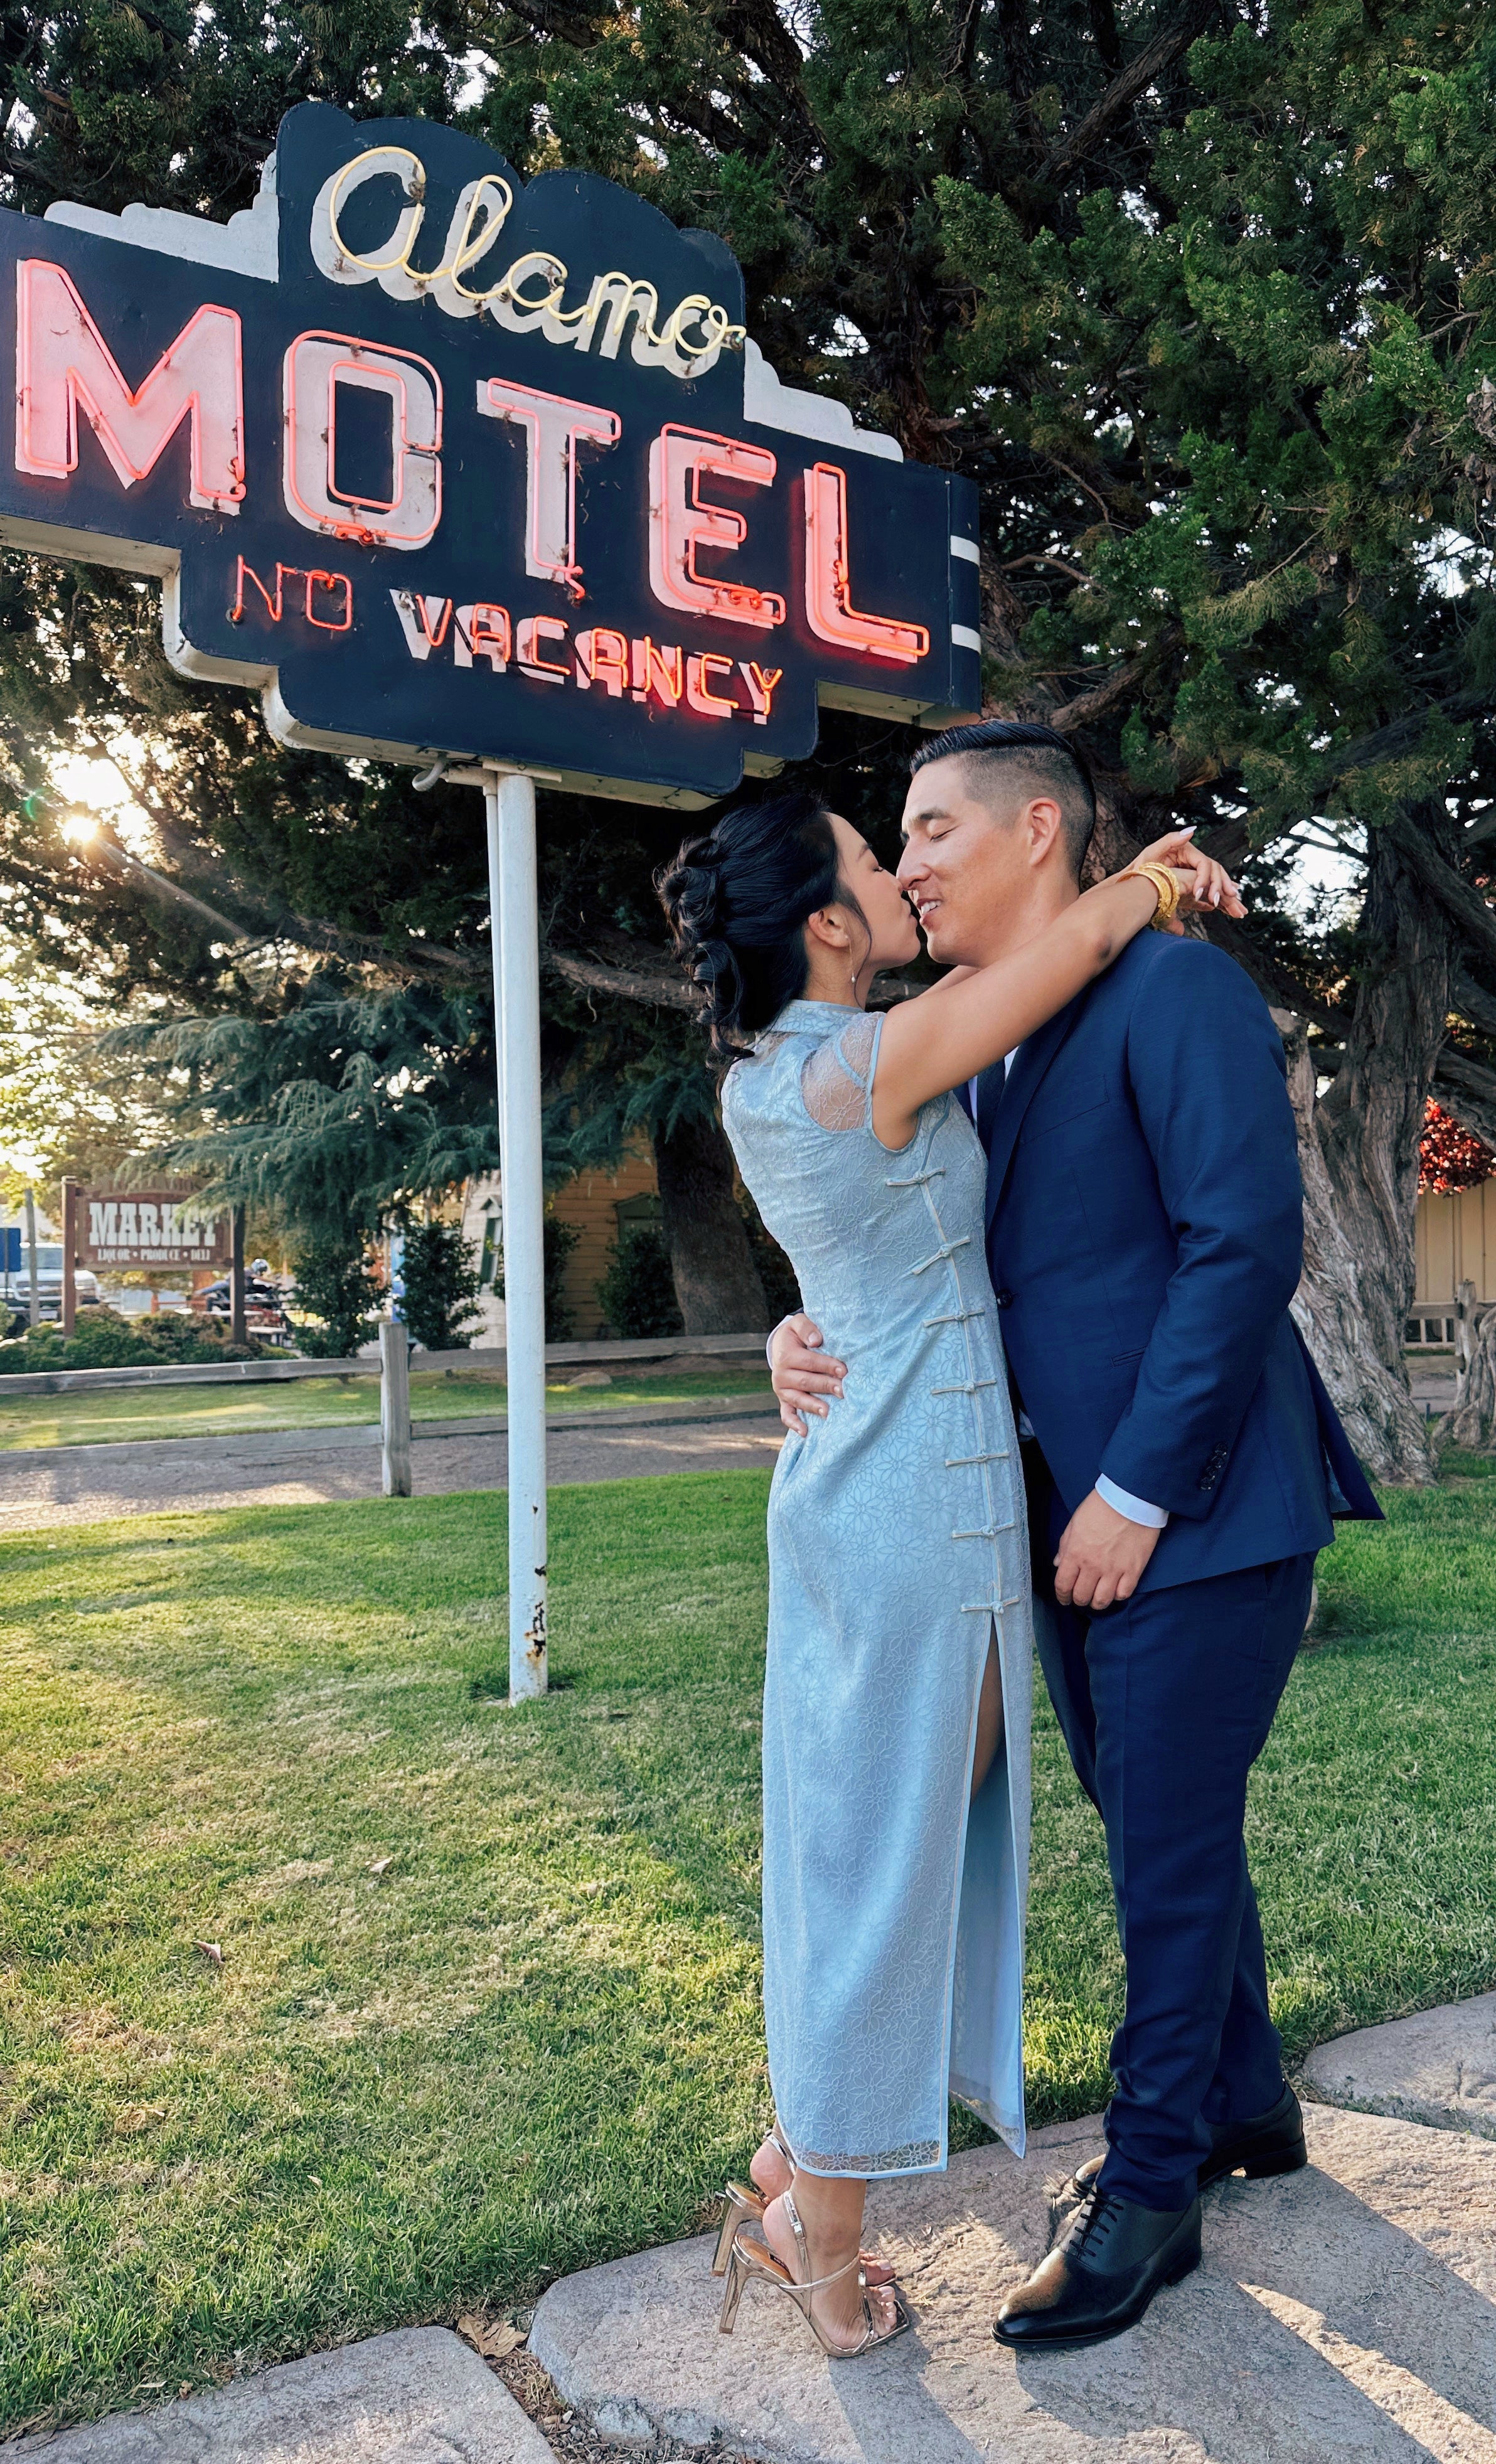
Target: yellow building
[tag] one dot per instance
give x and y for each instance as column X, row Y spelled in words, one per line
column 1456, row 1241
column 596, row 1203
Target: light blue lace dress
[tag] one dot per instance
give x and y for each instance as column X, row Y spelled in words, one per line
column 892, row 1922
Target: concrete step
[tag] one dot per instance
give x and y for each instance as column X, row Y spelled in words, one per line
column 1346, row 2313
column 419, row 2396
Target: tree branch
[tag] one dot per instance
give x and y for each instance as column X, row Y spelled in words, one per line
column 661, row 987
column 1168, row 45
column 755, row 28
column 1280, row 987
column 1461, row 903
column 1468, row 1092
column 563, row 25
column 1473, row 1002
column 1089, row 707
column 1401, row 734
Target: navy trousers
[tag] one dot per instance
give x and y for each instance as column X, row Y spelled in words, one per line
column 1165, row 1702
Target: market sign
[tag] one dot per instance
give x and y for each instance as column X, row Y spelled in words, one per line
column 442, row 463
column 148, row 1227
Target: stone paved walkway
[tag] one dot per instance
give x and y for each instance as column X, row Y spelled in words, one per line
column 1346, row 2315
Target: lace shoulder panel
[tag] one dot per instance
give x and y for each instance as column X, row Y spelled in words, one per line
column 836, row 1083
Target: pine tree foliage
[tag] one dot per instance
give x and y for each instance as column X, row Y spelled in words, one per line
column 1200, row 295
column 441, row 1285
column 337, row 1287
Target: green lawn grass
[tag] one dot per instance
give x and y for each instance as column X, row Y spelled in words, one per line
column 118, row 1413
column 531, row 2041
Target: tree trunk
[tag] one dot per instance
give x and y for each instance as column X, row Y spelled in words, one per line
column 717, row 1284
column 1371, row 1119
column 1380, row 1417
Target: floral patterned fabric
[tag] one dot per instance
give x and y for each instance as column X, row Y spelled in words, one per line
column 892, row 1917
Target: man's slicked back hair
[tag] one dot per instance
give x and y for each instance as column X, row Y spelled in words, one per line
column 1037, row 753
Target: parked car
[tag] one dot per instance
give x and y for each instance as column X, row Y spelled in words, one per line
column 264, row 1308
column 15, row 1289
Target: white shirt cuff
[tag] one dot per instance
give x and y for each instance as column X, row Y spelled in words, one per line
column 1135, row 1509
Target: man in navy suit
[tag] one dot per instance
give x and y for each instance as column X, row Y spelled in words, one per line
column 1183, row 1460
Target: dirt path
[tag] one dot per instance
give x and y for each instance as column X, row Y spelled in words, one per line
column 317, row 1467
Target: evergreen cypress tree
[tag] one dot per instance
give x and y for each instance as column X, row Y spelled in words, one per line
column 1202, row 298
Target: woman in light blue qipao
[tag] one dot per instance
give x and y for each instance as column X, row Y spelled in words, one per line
column 897, row 1691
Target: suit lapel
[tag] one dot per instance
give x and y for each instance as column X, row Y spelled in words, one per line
column 1024, row 1082
column 991, row 1087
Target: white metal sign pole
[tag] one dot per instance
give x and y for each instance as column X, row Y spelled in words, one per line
column 516, row 956
column 515, row 935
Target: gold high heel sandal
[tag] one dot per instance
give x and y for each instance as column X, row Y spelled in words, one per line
column 744, row 2263
column 745, row 2206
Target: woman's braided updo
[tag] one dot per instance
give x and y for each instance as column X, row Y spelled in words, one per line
column 737, row 902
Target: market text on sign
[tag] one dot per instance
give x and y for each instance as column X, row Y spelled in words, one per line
column 159, row 1228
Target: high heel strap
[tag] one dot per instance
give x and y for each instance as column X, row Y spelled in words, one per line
column 748, row 2262
column 813, row 2284
column 792, row 2213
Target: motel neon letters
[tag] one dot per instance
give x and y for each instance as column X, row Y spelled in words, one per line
column 334, row 433
column 67, row 366
column 64, row 365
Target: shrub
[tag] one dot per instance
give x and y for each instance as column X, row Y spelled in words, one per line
column 180, row 1336
column 41, row 1347
column 104, row 1339
column 560, row 1238
column 441, row 1285
column 334, row 1284
column 561, row 1318
column 637, row 1292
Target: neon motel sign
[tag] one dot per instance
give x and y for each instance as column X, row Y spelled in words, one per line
column 440, row 463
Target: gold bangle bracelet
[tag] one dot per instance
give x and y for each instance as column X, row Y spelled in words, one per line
column 1168, row 889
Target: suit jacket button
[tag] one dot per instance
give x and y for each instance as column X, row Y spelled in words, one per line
column 1004, row 1299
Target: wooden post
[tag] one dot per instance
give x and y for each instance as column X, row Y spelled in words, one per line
column 236, row 1329
column 1464, row 1328
column 394, row 1406
column 34, row 1309
column 69, row 1258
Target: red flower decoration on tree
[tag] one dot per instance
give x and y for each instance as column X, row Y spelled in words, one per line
column 1449, row 1158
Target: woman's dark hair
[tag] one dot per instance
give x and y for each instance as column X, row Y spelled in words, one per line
column 737, row 901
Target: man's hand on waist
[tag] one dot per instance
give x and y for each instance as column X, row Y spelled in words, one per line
column 1102, row 1556
column 801, row 1371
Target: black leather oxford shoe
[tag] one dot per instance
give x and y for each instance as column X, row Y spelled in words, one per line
column 1272, row 2143
column 1101, row 2274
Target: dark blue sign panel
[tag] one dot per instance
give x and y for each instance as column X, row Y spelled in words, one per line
column 445, row 464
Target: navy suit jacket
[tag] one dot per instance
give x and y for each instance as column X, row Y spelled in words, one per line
column 1144, row 1233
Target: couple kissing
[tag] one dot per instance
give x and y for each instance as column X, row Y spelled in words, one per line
column 1045, row 1220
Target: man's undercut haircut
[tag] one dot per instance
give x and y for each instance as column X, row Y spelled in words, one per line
column 1040, row 757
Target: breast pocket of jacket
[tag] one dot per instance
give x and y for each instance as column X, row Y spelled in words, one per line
column 1076, row 1104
